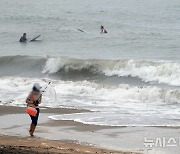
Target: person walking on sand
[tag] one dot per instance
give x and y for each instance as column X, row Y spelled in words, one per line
column 103, row 30
column 33, row 101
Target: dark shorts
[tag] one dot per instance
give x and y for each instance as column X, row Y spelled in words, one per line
column 35, row 119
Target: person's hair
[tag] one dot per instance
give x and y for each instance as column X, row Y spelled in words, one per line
column 24, row 34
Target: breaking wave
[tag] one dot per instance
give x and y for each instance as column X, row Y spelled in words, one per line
column 147, row 71
column 94, row 92
column 125, row 104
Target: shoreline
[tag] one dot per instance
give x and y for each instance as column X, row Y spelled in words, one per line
column 73, row 135
column 22, row 143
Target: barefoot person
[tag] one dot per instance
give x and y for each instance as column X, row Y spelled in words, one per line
column 103, row 30
column 33, row 100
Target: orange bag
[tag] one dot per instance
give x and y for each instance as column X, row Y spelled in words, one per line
column 31, row 111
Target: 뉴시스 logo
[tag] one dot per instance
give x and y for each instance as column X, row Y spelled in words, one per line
column 161, row 142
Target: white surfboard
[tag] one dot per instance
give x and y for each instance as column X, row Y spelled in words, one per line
column 33, row 39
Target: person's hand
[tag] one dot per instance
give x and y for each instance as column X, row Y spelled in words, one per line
column 36, row 103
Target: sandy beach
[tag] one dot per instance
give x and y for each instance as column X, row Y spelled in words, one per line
column 68, row 136
column 22, row 143
column 27, row 145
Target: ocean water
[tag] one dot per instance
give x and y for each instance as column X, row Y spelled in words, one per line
column 128, row 77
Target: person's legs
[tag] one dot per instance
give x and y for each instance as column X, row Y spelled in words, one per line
column 34, row 123
column 32, row 128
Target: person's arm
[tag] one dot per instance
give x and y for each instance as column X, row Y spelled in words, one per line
column 29, row 100
column 20, row 40
column 105, row 31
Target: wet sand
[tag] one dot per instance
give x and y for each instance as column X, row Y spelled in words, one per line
column 11, row 142
column 64, row 136
column 17, row 110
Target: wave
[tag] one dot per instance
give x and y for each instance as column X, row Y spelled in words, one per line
column 21, row 65
column 111, row 105
column 147, row 71
column 93, row 91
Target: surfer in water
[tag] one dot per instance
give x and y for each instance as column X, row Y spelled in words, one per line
column 103, row 30
column 33, row 100
column 23, row 38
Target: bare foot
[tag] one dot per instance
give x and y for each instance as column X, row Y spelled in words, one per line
column 31, row 133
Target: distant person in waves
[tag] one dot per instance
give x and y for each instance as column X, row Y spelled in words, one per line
column 33, row 101
column 23, row 38
column 103, row 30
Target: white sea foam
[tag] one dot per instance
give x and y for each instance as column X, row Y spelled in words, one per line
column 94, row 91
column 148, row 71
column 120, row 105
column 122, row 119
column 52, row 66
column 161, row 72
